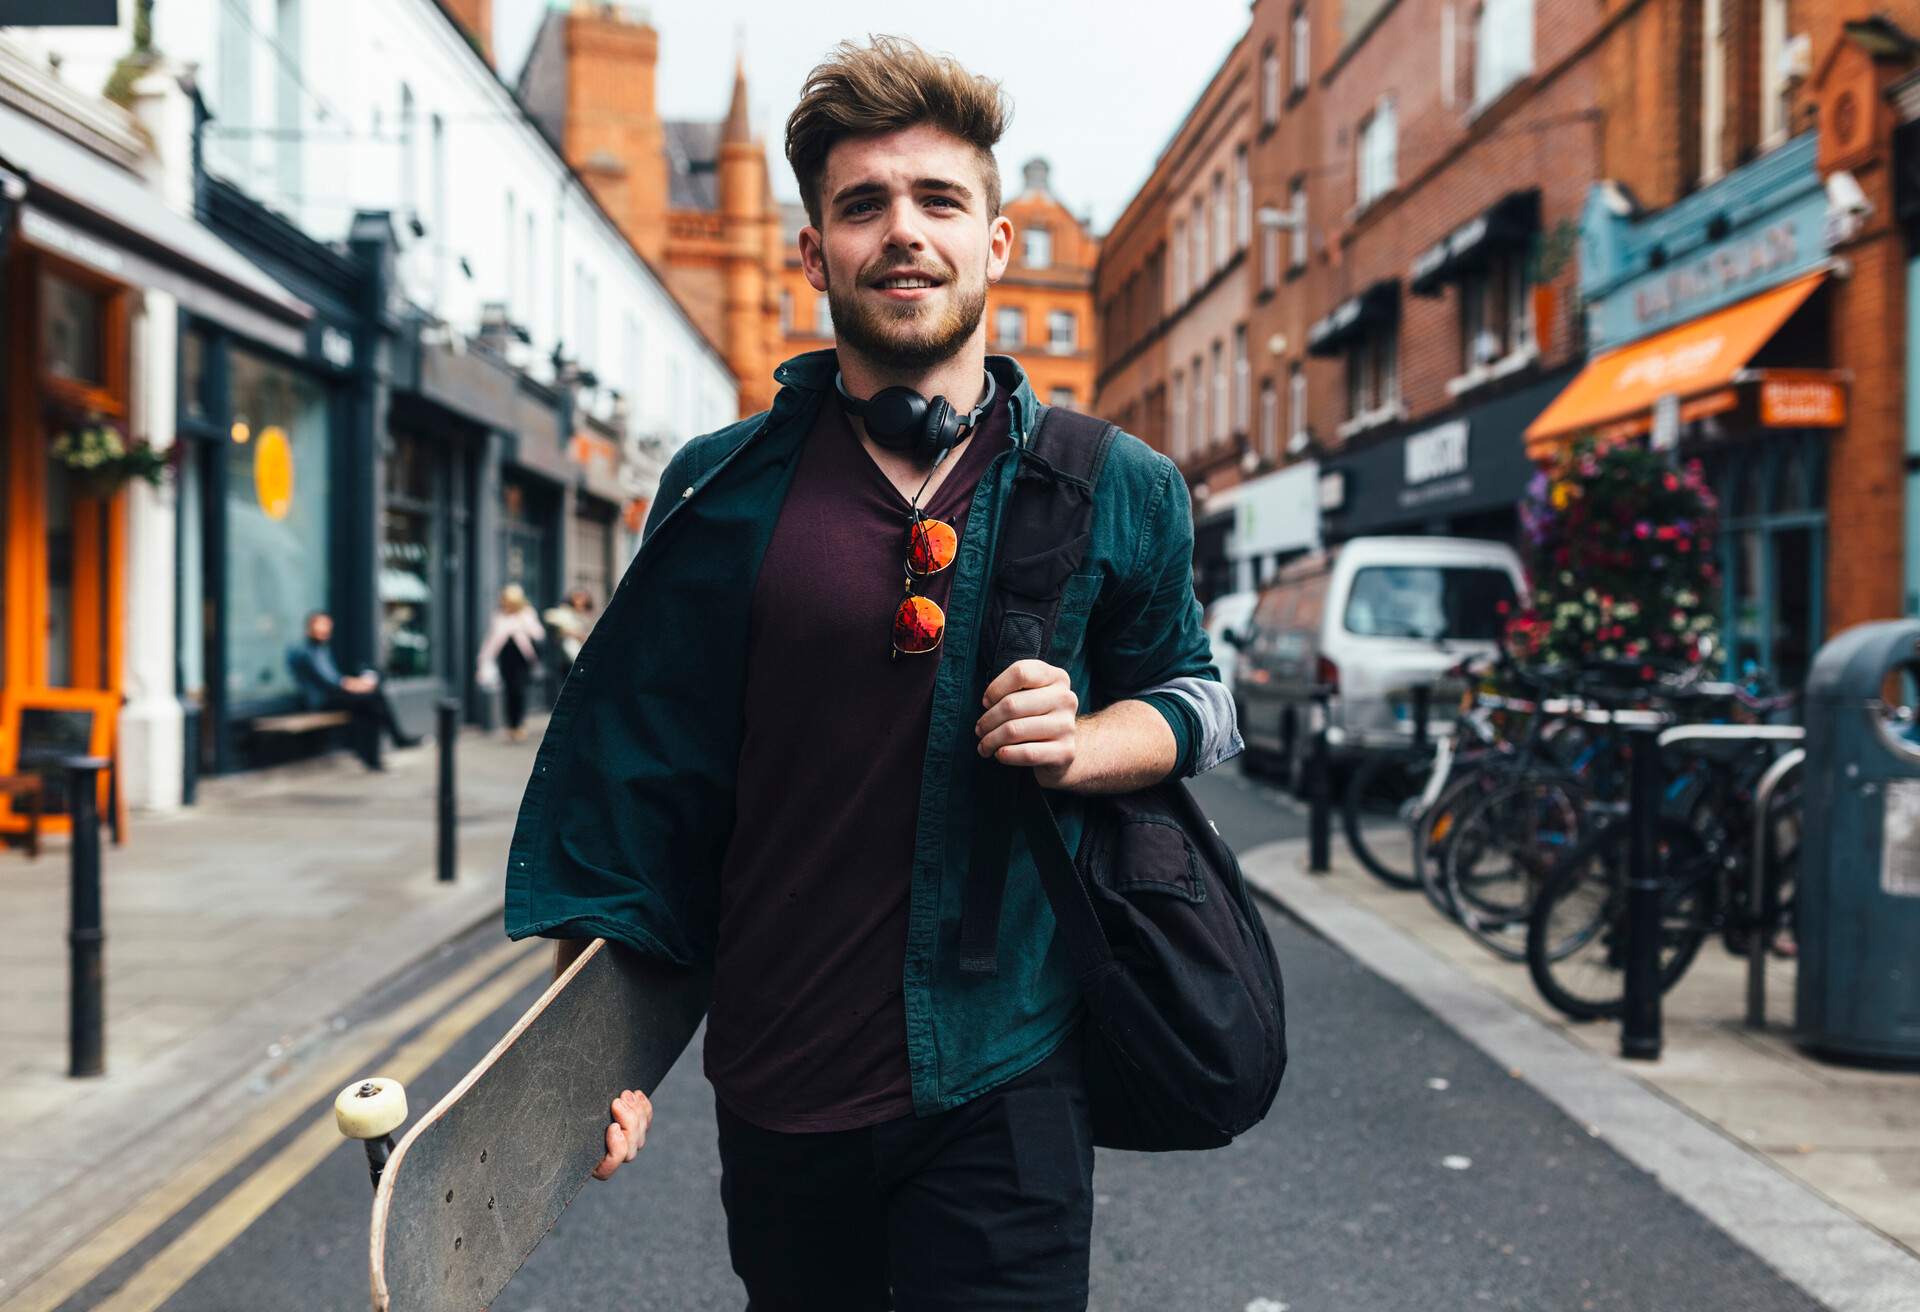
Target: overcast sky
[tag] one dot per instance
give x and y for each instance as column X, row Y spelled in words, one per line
column 1097, row 85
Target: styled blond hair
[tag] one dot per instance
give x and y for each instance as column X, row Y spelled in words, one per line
column 513, row 598
column 884, row 86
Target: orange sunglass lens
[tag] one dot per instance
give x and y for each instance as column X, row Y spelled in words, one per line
column 931, row 545
column 918, row 626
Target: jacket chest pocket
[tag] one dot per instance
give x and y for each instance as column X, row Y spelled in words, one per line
column 1070, row 627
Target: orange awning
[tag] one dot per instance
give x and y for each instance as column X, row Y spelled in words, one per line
column 1700, row 356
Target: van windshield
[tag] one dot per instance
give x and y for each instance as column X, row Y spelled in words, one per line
column 1429, row 602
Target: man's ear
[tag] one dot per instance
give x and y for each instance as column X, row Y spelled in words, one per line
column 813, row 257
column 999, row 247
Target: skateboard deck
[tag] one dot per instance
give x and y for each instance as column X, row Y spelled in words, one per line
column 478, row 1181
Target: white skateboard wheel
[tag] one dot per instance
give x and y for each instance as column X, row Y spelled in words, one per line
column 370, row 1109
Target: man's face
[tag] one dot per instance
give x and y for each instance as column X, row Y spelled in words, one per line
column 320, row 628
column 906, row 248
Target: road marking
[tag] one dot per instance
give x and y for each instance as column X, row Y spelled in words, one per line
column 173, row 1266
column 107, row 1245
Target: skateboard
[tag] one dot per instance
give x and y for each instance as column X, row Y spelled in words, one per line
column 477, row 1182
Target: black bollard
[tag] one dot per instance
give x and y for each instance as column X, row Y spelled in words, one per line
column 1320, row 792
column 1640, row 1016
column 447, row 729
column 86, row 939
column 1422, row 713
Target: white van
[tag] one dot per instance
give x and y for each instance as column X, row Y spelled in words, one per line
column 1372, row 619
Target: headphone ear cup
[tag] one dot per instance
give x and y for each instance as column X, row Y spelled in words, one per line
column 942, row 428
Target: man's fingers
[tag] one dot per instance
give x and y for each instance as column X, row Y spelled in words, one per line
column 1022, row 674
column 626, row 1133
column 1027, row 702
column 1056, row 729
column 616, row 1153
column 1039, row 755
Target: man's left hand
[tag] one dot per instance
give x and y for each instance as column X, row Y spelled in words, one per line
column 1030, row 720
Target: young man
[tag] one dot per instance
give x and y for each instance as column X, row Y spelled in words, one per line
column 325, row 688
column 767, row 755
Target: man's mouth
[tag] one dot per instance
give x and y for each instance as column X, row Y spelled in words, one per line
column 906, row 282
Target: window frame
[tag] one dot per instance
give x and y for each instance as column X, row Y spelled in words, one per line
column 1044, row 235
column 1003, row 315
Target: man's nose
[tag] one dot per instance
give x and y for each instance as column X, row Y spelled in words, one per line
column 903, row 225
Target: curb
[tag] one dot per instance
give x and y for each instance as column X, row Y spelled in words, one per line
column 1830, row 1254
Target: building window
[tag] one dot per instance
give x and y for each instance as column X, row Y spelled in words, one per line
column 1010, row 326
column 786, row 311
column 1038, row 251
column 1061, row 337
column 1197, row 228
column 1773, row 73
column 822, row 315
column 1270, row 87
column 1495, row 313
column 73, row 331
column 1061, row 396
column 1242, row 379
column 1377, row 164
column 1242, row 200
column 1373, row 374
column 1179, row 262
column 1302, row 47
column 1297, row 238
column 1269, row 257
column 1220, row 418
column 1713, row 86
column 1502, row 47
column 1222, row 216
column 1177, row 419
column 1269, row 421
column 1199, row 404
column 1297, row 409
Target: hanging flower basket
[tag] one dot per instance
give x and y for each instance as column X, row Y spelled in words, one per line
column 100, row 458
column 1620, row 547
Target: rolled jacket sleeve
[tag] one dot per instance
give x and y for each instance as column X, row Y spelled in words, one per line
column 1149, row 643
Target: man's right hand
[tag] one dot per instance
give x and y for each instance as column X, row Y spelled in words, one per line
column 627, row 1135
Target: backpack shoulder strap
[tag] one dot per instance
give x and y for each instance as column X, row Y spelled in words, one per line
column 1043, row 539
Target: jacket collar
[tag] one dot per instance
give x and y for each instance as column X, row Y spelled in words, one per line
column 813, row 372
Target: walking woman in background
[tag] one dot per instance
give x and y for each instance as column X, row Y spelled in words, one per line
column 508, row 656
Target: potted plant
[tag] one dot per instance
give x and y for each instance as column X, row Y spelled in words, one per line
column 100, row 458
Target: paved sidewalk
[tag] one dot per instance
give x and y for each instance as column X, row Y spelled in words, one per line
column 1851, row 1135
column 237, row 932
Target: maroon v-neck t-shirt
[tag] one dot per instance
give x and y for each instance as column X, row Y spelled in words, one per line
column 807, row 1032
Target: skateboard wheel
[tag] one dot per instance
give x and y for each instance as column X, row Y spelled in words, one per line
column 370, row 1109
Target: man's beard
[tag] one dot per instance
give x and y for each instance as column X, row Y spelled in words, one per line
column 904, row 337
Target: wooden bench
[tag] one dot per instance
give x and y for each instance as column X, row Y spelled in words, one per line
column 299, row 722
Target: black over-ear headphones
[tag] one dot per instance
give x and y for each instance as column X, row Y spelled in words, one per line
column 900, row 419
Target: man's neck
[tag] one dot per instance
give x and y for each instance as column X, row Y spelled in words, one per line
column 961, row 378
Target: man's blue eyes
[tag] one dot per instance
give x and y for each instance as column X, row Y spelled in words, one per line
column 949, row 201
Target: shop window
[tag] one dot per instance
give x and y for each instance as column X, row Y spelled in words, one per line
column 1773, row 542
column 406, row 593
column 193, row 375
column 73, row 331
column 276, row 517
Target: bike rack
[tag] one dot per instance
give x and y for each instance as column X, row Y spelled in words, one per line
column 1763, row 797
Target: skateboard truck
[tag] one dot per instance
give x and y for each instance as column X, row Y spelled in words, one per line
column 370, row 1111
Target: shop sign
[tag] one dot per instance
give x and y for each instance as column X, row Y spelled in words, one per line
column 1437, row 453
column 333, row 346
column 1802, row 403
column 1277, row 512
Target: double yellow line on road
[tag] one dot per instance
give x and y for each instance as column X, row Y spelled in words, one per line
column 479, row 988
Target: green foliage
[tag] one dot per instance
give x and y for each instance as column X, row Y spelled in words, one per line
column 102, row 455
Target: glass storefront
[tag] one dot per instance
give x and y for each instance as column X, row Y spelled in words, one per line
column 276, row 505
column 1773, row 553
column 407, row 561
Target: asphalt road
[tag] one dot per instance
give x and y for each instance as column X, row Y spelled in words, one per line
column 1399, row 1172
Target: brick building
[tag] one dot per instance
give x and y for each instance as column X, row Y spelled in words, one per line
column 693, row 196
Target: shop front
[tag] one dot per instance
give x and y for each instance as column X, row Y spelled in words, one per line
column 1268, row 520
column 1717, row 315
column 594, row 524
column 93, row 268
column 1460, row 476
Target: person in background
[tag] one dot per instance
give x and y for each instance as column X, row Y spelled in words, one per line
column 510, row 653
column 572, row 619
column 325, row 688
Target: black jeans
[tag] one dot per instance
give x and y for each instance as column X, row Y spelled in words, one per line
column 989, row 1205
column 372, row 712
column 515, row 673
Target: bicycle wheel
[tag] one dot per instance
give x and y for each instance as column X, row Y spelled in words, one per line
column 1507, row 845
column 1577, row 933
column 1439, row 825
column 1385, row 784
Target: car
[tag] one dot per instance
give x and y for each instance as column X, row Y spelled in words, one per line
column 1226, row 624
column 1369, row 621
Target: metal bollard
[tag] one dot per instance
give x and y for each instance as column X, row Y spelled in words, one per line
column 86, row 1037
column 1640, row 1015
column 446, row 730
column 1422, row 714
column 1320, row 792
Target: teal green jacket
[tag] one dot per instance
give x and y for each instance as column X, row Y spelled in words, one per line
column 630, row 805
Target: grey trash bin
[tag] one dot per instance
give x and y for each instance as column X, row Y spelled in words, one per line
column 1858, row 900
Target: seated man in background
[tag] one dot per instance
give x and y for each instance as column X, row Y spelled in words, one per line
column 325, row 688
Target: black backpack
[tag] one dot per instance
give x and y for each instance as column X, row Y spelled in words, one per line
column 1187, row 1041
